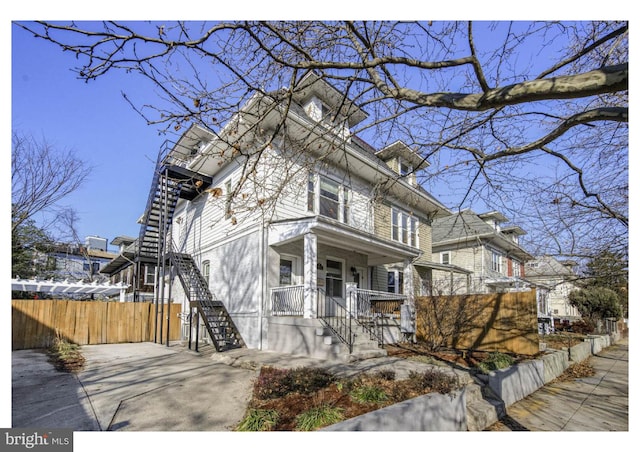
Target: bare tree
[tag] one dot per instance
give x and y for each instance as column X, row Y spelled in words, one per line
column 529, row 117
column 41, row 176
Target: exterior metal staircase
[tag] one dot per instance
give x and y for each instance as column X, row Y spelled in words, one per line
column 172, row 180
column 217, row 320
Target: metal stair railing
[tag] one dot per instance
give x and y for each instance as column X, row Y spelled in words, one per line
column 335, row 317
column 368, row 316
column 218, row 322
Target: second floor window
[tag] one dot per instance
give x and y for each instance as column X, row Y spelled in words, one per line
column 328, row 198
column 404, row 228
column 445, row 258
column 496, row 262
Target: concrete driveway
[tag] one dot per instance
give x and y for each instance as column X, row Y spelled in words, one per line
column 135, row 387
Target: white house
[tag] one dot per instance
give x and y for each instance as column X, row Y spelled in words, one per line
column 560, row 278
column 298, row 228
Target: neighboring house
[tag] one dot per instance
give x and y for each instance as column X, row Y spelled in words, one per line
column 560, row 278
column 121, row 269
column 477, row 254
column 346, row 235
column 80, row 262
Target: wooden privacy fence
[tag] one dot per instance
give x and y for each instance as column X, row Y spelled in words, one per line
column 35, row 323
column 503, row 322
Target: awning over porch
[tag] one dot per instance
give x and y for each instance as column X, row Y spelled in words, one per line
column 329, row 232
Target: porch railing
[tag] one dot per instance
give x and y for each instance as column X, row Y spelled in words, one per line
column 371, row 303
column 335, row 316
column 287, row 301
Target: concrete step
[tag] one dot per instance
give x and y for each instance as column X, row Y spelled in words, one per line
column 482, row 408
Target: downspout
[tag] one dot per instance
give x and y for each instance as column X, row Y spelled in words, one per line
column 263, row 282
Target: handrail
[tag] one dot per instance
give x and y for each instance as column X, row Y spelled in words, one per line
column 335, row 317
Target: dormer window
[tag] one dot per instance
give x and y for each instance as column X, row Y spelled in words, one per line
column 404, row 168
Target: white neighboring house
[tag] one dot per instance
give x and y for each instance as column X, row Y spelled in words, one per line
column 477, row 254
column 560, row 278
column 347, row 234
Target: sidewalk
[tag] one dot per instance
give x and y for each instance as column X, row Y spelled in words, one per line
column 591, row 404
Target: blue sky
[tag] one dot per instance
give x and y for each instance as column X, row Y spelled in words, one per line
column 52, row 104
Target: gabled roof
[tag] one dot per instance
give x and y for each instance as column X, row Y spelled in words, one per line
column 467, row 226
column 549, row 266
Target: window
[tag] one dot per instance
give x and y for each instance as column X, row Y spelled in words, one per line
column 333, row 199
column 404, row 228
column 345, row 205
column 334, row 278
column 395, row 281
column 516, row 269
column 286, row 272
column 496, row 262
column 86, row 267
column 206, row 271
column 311, row 193
column 445, row 258
column 404, row 168
column 149, row 275
column 329, row 198
column 95, row 268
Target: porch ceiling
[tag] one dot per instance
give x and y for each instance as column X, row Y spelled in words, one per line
column 378, row 251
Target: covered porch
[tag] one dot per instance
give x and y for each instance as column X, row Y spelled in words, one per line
column 317, row 263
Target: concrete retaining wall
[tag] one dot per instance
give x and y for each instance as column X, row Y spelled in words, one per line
column 447, row 412
column 427, row 413
column 516, row 382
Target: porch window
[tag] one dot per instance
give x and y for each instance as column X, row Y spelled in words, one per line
column 404, row 228
column 286, row 272
column 334, row 278
column 395, row 282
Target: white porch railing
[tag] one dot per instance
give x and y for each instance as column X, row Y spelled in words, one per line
column 287, row 301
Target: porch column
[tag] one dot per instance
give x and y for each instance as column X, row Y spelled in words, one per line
column 407, row 288
column 310, row 275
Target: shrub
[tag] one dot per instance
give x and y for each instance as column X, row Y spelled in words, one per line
column 318, row 417
column 258, row 421
column 495, row 361
column 368, row 394
column 432, row 380
column 306, row 380
column 273, row 383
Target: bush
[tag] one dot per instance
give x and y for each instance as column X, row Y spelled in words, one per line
column 318, row 417
column 495, row 361
column 432, row 380
column 258, row 421
column 368, row 394
column 273, row 383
